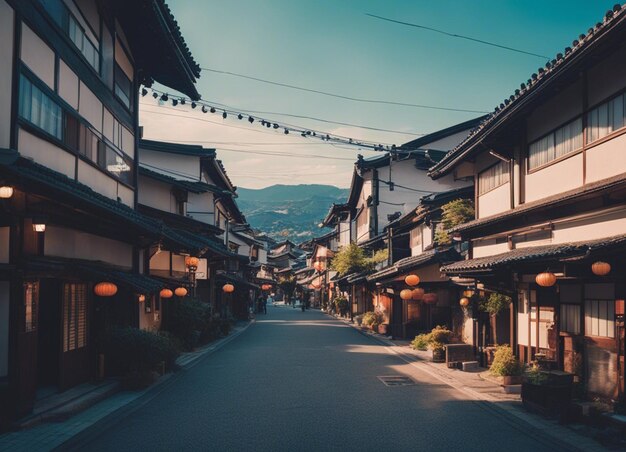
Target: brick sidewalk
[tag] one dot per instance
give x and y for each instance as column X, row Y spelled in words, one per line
column 47, row 436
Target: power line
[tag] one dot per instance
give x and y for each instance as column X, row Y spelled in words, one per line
column 339, row 96
column 480, row 41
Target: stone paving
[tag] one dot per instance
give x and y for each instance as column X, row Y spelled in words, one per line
column 48, row 436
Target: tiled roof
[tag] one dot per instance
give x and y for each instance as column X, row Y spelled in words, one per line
column 563, row 61
column 574, row 195
column 535, row 254
column 179, row 221
column 412, row 262
column 235, row 279
column 176, row 148
column 333, row 211
column 192, row 241
column 192, row 186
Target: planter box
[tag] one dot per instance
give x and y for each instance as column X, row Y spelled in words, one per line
column 512, row 380
column 439, row 355
column 547, row 399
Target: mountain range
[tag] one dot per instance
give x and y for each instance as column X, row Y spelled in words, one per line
column 289, row 211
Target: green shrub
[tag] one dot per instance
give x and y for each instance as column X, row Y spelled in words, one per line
column 133, row 350
column 341, row 305
column 440, row 334
column 437, row 346
column 421, row 342
column 505, row 363
column 191, row 321
column 370, row 318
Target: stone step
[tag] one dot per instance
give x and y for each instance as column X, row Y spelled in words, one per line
column 469, row 366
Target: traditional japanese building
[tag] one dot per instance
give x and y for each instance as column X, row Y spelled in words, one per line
column 69, row 85
column 550, row 198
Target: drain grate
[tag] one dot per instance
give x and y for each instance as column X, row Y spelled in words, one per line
column 396, row 380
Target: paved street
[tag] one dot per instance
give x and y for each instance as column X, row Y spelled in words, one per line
column 304, row 381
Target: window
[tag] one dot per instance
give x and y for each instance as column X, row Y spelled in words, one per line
column 416, row 238
column 570, row 318
column 600, row 318
column 39, row 109
column 493, row 177
column 561, row 142
column 606, row 118
column 31, row 303
column 74, row 316
column 115, row 162
column 123, row 87
column 254, row 253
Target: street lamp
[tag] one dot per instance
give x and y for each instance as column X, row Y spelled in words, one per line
column 192, row 263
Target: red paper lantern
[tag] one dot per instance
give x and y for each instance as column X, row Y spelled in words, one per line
column 180, row 291
column 412, row 280
column 601, row 268
column 464, row 302
column 228, row 288
column 417, row 293
column 105, row 289
column 546, row 279
column 191, row 261
column 166, row 293
column 406, row 294
column 266, row 287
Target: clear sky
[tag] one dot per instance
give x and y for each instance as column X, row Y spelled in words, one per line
column 334, row 46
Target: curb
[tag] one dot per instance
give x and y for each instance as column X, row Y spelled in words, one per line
column 77, row 441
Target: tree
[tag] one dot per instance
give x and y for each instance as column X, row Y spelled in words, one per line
column 495, row 303
column 453, row 214
column 351, row 259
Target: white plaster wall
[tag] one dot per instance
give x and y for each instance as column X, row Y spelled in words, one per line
column 6, row 72
column 184, row 166
column 607, row 77
column 97, row 180
column 46, row 153
column 4, row 244
column 427, row 236
column 128, row 142
column 123, row 61
column 160, row 261
column 488, row 248
column 262, row 256
column 495, row 201
column 63, row 242
column 155, row 194
column 4, row 328
column 126, row 195
column 559, row 109
column 200, row 207
column 108, row 124
column 178, row 263
column 607, row 224
column 562, row 176
column 344, row 233
column 607, row 159
column 90, row 107
column 36, row 54
column 68, row 85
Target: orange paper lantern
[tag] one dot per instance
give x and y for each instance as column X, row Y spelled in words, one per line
column 464, row 302
column 105, row 289
column 228, row 288
column 601, row 268
column 417, row 293
column 412, row 280
column 406, row 294
column 430, row 298
column 191, row 261
column 266, row 287
column 166, row 293
column 546, row 279
column 141, row 298
column 180, row 291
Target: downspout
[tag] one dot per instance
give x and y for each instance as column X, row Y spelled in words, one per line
column 375, row 201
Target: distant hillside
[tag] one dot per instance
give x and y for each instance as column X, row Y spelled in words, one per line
column 289, row 211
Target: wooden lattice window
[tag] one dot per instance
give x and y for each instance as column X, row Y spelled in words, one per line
column 74, row 316
column 31, row 305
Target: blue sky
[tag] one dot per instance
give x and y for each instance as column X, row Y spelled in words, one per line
column 333, row 46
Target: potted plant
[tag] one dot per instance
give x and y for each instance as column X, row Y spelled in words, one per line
column 341, row 305
column 547, row 392
column 371, row 319
column 507, row 366
column 438, row 338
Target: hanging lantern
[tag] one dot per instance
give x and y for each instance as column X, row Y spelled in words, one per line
column 192, row 262
column 412, row 280
column 228, row 288
column 266, row 287
column 166, row 293
column 468, row 293
column 6, row 192
column 180, row 291
column 105, row 289
column 464, row 302
column 430, row 298
column 406, row 294
column 601, row 268
column 546, row 279
column 141, row 298
column 417, row 293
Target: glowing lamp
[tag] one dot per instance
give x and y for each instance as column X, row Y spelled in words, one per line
column 430, row 298
column 39, row 227
column 6, row 192
column 417, row 293
column 192, row 262
column 468, row 293
column 546, row 279
column 464, row 302
column 166, row 293
column 412, row 280
column 601, row 268
column 105, row 289
column 141, row 298
column 406, row 294
column 180, row 291
column 228, row 288
column 266, row 287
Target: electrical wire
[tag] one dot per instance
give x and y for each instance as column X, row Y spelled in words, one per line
column 339, row 96
column 454, row 35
